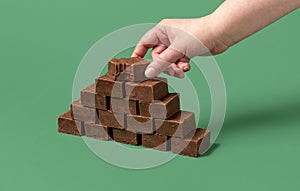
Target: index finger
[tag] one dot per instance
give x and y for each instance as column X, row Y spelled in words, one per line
column 149, row 40
column 141, row 50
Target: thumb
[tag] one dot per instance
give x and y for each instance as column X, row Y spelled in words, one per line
column 162, row 62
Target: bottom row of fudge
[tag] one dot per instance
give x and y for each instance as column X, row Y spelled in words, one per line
column 193, row 144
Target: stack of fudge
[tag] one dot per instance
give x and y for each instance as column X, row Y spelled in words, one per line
column 124, row 106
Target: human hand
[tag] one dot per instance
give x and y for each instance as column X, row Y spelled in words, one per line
column 175, row 41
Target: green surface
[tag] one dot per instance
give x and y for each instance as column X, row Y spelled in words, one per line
column 41, row 45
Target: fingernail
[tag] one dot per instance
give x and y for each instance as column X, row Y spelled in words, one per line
column 150, row 73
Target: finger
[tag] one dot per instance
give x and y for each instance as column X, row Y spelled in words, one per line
column 164, row 59
column 171, row 55
column 140, row 50
column 149, row 40
column 184, row 66
column 177, row 71
column 157, row 50
column 179, row 74
column 170, row 71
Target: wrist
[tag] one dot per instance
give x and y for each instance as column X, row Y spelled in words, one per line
column 213, row 35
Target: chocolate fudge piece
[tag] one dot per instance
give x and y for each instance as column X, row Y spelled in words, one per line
column 193, row 146
column 179, row 125
column 117, row 65
column 110, row 119
column 81, row 113
column 156, row 141
column 127, row 137
column 166, row 107
column 140, row 124
column 106, row 85
column 144, row 108
column 66, row 124
column 136, row 72
column 89, row 98
column 128, row 69
column 97, row 131
column 147, row 90
column 124, row 106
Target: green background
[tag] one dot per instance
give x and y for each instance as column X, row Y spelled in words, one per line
column 41, row 45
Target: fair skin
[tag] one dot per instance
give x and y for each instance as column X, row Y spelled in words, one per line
column 173, row 42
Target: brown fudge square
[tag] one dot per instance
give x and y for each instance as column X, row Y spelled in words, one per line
column 124, row 106
column 106, row 85
column 81, row 113
column 110, row 119
column 136, row 72
column 166, row 107
column 144, row 108
column 147, row 90
column 127, row 137
column 156, row 141
column 97, row 131
column 128, row 69
column 89, row 98
column 140, row 124
column 179, row 125
column 193, row 146
column 66, row 124
column 117, row 65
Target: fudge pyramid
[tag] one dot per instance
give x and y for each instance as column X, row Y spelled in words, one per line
column 124, row 106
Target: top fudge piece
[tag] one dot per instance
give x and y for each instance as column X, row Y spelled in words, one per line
column 128, row 69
